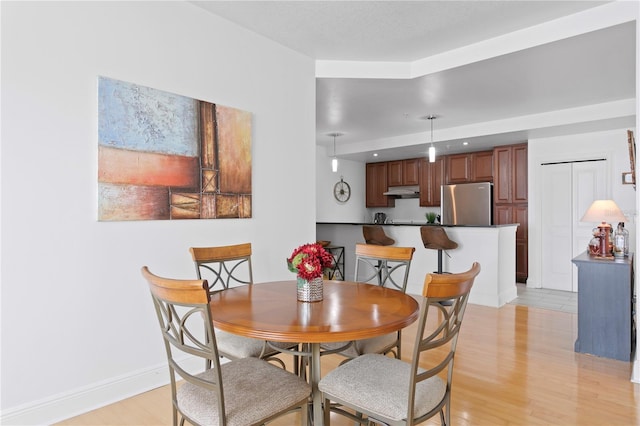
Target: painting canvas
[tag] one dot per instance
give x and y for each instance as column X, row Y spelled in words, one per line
column 166, row 156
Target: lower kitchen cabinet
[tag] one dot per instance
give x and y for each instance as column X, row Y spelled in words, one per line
column 509, row 213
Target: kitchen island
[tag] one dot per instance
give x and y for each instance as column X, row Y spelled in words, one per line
column 492, row 246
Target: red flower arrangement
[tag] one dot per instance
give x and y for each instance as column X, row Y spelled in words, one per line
column 309, row 261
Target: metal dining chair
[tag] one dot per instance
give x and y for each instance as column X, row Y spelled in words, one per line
column 239, row 392
column 386, row 266
column 230, row 266
column 375, row 389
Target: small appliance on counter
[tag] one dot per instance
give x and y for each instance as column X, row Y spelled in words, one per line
column 380, row 218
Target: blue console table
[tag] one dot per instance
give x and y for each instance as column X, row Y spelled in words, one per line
column 606, row 323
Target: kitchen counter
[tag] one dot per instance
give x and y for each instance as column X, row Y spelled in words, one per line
column 492, row 246
column 416, row 223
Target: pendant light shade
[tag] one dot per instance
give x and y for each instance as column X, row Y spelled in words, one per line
column 334, row 160
column 432, row 149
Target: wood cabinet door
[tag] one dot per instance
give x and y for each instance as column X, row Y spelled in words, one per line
column 502, row 215
column 458, row 168
column 519, row 171
column 431, row 179
column 521, row 216
column 502, row 175
column 522, row 261
column 482, row 166
column 411, row 171
column 437, row 179
column 376, row 182
column 394, row 173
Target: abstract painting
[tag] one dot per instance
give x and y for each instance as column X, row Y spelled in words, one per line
column 165, row 156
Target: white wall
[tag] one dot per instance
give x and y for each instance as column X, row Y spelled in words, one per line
column 78, row 326
column 328, row 208
column 611, row 145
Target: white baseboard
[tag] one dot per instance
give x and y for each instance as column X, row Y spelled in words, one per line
column 79, row 401
column 635, row 372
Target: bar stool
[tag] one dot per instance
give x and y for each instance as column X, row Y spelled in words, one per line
column 435, row 238
column 374, row 234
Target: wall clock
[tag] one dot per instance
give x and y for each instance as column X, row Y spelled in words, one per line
column 342, row 191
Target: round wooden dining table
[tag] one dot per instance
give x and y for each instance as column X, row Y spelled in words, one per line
column 349, row 311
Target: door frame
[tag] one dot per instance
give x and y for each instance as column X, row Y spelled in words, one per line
column 535, row 197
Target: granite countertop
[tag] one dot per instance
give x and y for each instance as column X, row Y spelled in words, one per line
column 417, row 223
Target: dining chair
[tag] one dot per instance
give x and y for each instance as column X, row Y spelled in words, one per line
column 386, row 266
column 225, row 267
column 373, row 388
column 239, row 392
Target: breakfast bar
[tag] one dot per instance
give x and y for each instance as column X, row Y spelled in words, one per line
column 493, row 246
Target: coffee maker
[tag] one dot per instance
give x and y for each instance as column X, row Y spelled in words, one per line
column 379, row 218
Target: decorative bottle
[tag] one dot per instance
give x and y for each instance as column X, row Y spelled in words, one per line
column 620, row 241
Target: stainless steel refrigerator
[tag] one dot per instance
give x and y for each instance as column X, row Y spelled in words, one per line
column 467, row 204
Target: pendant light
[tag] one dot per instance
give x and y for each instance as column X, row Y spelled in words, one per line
column 334, row 160
column 432, row 149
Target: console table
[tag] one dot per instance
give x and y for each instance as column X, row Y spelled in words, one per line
column 606, row 326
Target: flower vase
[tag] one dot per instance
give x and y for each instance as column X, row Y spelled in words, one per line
column 310, row 290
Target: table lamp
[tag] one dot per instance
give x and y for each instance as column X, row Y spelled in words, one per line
column 604, row 211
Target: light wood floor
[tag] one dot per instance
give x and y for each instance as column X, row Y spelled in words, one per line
column 514, row 366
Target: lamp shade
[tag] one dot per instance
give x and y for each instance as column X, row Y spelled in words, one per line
column 604, row 211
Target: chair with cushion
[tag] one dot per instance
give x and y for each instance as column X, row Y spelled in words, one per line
column 225, row 267
column 385, row 266
column 378, row 389
column 374, row 234
column 239, row 392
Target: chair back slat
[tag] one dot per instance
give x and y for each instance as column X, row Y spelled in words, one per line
column 386, row 266
column 223, row 266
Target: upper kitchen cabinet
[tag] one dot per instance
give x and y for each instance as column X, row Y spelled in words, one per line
column 404, row 172
column 510, row 174
column 431, row 178
column 470, row 167
column 377, row 186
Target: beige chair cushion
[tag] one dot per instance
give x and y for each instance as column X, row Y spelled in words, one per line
column 253, row 390
column 380, row 385
column 237, row 347
column 364, row 346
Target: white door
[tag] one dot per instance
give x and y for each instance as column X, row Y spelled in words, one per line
column 556, row 226
column 568, row 191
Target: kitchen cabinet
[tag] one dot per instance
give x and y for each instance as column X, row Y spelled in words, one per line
column 482, row 166
column 431, row 178
column 458, row 168
column 470, row 167
column 506, row 214
column 404, row 172
column 510, row 198
column 510, row 174
column 376, row 183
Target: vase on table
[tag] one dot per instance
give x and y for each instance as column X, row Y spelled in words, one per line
column 310, row 290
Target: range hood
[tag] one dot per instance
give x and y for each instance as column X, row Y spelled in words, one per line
column 412, row 191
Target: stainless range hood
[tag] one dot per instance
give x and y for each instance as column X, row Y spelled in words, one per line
column 412, row 191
